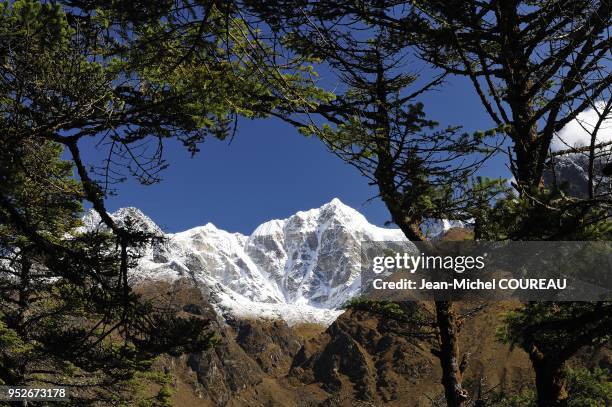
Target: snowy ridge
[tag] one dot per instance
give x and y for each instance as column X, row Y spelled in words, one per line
column 92, row 221
column 300, row 269
column 434, row 228
column 571, row 173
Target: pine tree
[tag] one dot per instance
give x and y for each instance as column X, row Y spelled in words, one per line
column 376, row 124
column 535, row 67
column 129, row 80
column 62, row 321
column 126, row 76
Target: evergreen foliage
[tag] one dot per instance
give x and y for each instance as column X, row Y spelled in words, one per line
column 586, row 388
column 76, row 70
column 535, row 67
column 62, row 320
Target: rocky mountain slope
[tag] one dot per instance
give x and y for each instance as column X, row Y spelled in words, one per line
column 364, row 358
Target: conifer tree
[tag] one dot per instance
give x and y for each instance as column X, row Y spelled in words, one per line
column 536, row 66
column 126, row 77
column 62, row 321
column 376, row 124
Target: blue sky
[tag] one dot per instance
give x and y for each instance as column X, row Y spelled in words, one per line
column 270, row 171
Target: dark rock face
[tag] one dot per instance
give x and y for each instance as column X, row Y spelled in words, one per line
column 247, row 367
column 249, row 353
column 272, row 344
column 360, row 358
column 194, row 309
column 224, row 371
column 220, row 372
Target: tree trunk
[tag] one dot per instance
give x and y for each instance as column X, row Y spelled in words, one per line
column 410, row 225
column 550, row 381
column 456, row 396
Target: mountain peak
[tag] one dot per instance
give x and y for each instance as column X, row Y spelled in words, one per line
column 138, row 219
column 336, row 202
column 92, row 220
column 210, row 226
column 270, row 227
column 570, row 173
column 334, row 208
column 338, row 206
column 129, row 211
column 338, row 209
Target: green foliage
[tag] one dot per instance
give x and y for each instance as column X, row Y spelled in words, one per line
column 141, row 387
column 553, row 326
column 64, row 316
column 46, row 20
column 408, row 313
column 11, row 345
column 526, row 398
column 385, row 308
column 545, row 214
column 40, row 185
column 127, row 76
column 375, row 122
column 586, row 388
column 589, row 388
column 186, row 71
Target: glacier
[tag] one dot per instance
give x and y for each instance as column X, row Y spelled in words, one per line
column 299, row 269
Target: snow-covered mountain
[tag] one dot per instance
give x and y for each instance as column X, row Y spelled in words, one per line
column 571, row 173
column 302, row 268
column 435, row 228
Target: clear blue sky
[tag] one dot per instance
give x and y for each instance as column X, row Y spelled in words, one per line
column 270, row 171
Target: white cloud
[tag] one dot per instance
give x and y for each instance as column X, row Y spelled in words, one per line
column 577, row 133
